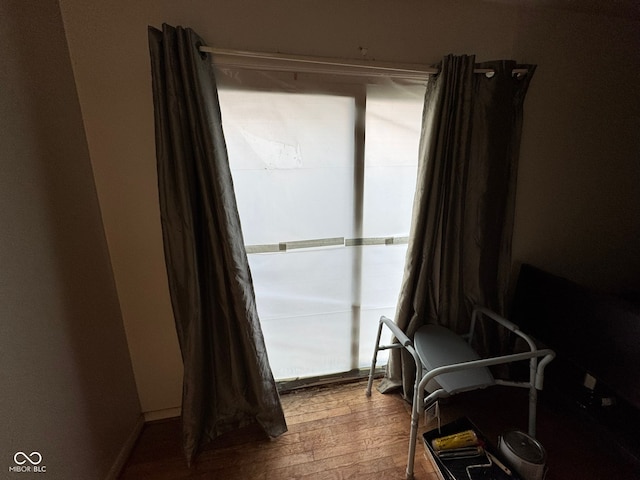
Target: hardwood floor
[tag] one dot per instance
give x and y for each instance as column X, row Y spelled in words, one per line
column 336, row 432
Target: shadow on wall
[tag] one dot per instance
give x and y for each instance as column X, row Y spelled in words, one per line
column 71, row 395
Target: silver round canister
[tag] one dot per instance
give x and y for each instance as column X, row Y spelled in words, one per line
column 524, row 453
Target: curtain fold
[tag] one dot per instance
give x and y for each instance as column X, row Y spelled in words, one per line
column 227, row 378
column 459, row 252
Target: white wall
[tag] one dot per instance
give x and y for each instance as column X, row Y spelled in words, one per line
column 66, row 383
column 108, row 45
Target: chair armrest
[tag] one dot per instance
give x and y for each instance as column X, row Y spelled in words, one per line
column 399, row 334
column 487, row 362
column 406, row 343
column 512, row 327
column 494, row 316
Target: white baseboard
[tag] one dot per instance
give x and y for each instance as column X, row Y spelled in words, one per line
column 162, row 414
column 125, row 451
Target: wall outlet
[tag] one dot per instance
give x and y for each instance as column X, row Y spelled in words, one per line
column 589, row 381
column 608, row 401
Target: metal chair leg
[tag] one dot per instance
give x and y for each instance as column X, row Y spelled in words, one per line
column 375, row 359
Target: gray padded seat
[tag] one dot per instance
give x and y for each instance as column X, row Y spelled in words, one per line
column 438, row 346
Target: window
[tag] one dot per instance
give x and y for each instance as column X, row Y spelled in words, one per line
column 324, row 170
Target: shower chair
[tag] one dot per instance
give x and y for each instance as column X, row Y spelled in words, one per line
column 447, row 364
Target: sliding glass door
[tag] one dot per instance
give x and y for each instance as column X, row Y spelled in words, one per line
column 324, row 174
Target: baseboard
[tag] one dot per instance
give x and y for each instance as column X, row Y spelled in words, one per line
column 126, row 449
column 162, row 414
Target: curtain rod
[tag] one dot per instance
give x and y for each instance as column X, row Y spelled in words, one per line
column 398, row 69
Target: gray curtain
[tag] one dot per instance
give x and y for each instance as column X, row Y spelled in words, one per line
column 227, row 378
column 459, row 252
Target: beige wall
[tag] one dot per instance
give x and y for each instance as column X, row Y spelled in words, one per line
column 108, row 46
column 66, row 381
column 578, row 203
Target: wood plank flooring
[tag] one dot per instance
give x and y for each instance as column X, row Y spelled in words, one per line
column 335, row 432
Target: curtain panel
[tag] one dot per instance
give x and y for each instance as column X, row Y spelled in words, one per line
column 227, row 378
column 459, row 252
